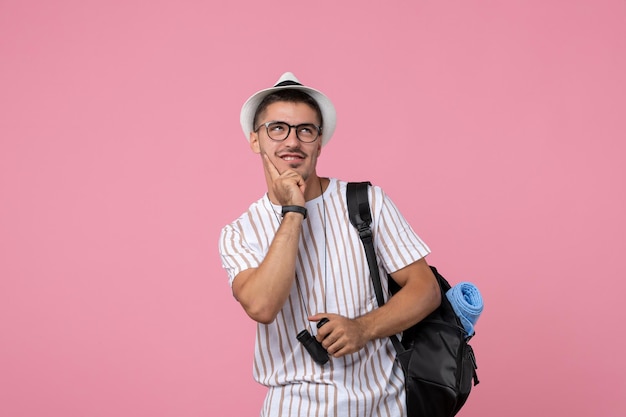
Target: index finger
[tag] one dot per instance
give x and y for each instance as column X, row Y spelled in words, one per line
column 270, row 167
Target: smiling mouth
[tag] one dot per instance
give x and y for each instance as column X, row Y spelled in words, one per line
column 291, row 158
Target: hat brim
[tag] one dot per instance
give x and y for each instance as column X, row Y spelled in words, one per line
column 326, row 107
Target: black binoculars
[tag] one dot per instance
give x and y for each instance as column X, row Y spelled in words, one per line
column 315, row 348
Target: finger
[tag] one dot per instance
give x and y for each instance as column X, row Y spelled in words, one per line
column 340, row 353
column 342, row 348
column 301, row 184
column 270, row 167
column 319, row 316
column 330, row 344
column 336, row 349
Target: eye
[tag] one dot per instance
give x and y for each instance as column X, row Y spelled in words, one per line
column 307, row 129
column 277, row 127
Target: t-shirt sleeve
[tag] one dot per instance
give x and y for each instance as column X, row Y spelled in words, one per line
column 235, row 252
column 397, row 243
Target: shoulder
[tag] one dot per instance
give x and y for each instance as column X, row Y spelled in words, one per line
column 342, row 185
column 259, row 209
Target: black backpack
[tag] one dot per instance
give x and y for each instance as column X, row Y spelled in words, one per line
column 438, row 363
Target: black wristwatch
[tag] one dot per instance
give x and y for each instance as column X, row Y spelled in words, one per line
column 297, row 209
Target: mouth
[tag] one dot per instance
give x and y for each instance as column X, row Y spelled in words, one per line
column 291, row 157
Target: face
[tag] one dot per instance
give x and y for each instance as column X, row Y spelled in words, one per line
column 290, row 153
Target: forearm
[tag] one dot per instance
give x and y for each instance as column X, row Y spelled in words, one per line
column 419, row 296
column 262, row 291
column 415, row 300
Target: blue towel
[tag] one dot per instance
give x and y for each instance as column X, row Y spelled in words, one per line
column 467, row 304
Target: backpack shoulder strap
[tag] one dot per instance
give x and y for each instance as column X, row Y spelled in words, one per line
column 357, row 196
column 359, row 205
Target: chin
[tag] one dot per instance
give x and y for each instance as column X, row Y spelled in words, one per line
column 303, row 173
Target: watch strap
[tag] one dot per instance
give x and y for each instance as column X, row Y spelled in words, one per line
column 297, row 209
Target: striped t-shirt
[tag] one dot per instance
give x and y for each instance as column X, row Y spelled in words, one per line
column 331, row 276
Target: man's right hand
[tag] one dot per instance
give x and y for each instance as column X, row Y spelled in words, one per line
column 287, row 188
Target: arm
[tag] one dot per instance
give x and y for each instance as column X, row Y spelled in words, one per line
column 263, row 291
column 419, row 296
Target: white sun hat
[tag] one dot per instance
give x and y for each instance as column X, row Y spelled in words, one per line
column 289, row 81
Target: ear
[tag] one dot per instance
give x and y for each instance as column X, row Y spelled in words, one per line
column 254, row 142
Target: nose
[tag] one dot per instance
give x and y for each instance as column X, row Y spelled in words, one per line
column 292, row 138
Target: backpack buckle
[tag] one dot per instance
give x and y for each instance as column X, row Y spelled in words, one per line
column 365, row 232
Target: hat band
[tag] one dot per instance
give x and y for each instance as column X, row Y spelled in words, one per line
column 286, row 82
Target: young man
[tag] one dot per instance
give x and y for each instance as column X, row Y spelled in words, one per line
column 296, row 263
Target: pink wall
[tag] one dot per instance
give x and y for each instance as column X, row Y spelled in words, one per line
column 496, row 126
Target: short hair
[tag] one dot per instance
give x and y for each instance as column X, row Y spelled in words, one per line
column 288, row 95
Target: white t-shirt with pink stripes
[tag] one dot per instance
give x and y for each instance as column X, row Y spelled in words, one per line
column 331, row 276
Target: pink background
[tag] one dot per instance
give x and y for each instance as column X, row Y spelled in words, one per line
column 496, row 126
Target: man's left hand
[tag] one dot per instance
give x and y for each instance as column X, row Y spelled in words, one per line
column 340, row 335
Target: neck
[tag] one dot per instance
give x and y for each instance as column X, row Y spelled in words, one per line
column 315, row 187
